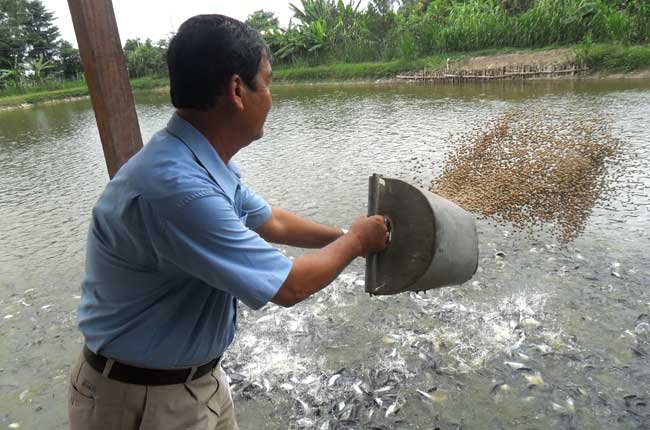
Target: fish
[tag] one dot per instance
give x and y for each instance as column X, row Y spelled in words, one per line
column 267, row 385
column 514, row 365
column 22, row 395
column 570, row 404
column 543, row 348
column 392, row 409
column 333, row 379
column 500, row 386
column 530, row 323
column 638, row 351
column 304, row 405
column 425, row 395
column 534, row 380
column 523, row 356
column 309, row 380
column 384, row 389
column 556, row 407
column 357, row 388
column 390, row 339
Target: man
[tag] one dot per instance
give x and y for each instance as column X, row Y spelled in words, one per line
column 176, row 240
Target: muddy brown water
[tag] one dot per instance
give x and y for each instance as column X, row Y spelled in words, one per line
column 544, row 336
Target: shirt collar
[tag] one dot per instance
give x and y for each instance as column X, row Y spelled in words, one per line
column 227, row 176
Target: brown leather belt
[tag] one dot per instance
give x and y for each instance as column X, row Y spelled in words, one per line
column 143, row 376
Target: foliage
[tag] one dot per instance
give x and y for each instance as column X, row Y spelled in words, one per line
column 145, row 58
column 12, row 72
column 39, row 67
column 27, row 30
column 27, row 33
column 394, row 33
column 41, row 33
column 69, row 61
column 614, row 57
column 327, row 31
column 263, row 21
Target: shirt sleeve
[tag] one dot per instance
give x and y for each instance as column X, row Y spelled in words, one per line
column 257, row 209
column 206, row 239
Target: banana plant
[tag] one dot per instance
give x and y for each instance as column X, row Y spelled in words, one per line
column 39, row 66
column 314, row 10
column 13, row 72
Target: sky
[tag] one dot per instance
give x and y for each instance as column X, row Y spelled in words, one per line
column 156, row 19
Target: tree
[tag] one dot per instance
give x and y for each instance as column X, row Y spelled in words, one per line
column 13, row 72
column 40, row 67
column 13, row 21
column 263, row 21
column 69, row 61
column 131, row 45
column 41, row 32
column 27, row 31
column 145, row 59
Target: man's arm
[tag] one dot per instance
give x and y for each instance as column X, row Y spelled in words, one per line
column 287, row 228
column 313, row 272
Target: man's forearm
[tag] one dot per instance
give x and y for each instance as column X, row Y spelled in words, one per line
column 313, row 272
column 287, row 228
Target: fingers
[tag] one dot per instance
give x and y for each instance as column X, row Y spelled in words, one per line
column 373, row 233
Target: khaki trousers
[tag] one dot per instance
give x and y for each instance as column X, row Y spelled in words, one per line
column 98, row 403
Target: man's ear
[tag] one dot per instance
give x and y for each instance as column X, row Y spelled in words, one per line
column 235, row 91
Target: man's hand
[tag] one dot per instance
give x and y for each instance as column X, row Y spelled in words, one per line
column 372, row 234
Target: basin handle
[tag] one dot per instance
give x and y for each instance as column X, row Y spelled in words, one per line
column 389, row 226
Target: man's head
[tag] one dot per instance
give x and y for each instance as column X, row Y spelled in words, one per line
column 206, row 53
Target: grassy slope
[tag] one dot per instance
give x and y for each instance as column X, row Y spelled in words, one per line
column 66, row 90
column 600, row 57
column 614, row 58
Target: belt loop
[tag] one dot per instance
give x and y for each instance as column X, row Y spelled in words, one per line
column 191, row 374
column 108, row 367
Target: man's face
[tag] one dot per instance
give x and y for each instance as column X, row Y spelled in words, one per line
column 259, row 101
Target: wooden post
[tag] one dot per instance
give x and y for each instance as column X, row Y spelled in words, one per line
column 107, row 79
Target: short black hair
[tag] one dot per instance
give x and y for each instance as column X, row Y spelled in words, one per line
column 205, row 53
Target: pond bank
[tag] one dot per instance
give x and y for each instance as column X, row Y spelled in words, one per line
column 68, row 91
column 579, row 61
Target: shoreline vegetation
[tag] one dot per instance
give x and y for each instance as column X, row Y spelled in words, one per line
column 602, row 60
column 383, row 41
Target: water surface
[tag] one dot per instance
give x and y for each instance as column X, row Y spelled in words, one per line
column 575, row 317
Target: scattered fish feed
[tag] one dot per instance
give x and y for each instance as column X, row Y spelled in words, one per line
column 530, row 169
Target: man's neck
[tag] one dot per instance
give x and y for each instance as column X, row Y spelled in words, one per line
column 214, row 125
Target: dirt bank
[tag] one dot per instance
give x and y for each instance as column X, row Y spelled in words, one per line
column 552, row 57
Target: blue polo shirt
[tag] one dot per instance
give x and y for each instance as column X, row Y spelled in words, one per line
column 171, row 248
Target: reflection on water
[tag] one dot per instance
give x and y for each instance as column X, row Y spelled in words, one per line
column 544, row 336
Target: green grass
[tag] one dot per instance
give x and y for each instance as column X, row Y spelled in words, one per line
column 599, row 57
column 63, row 90
column 614, row 57
column 355, row 71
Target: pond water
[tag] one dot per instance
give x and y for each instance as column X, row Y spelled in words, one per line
column 546, row 336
